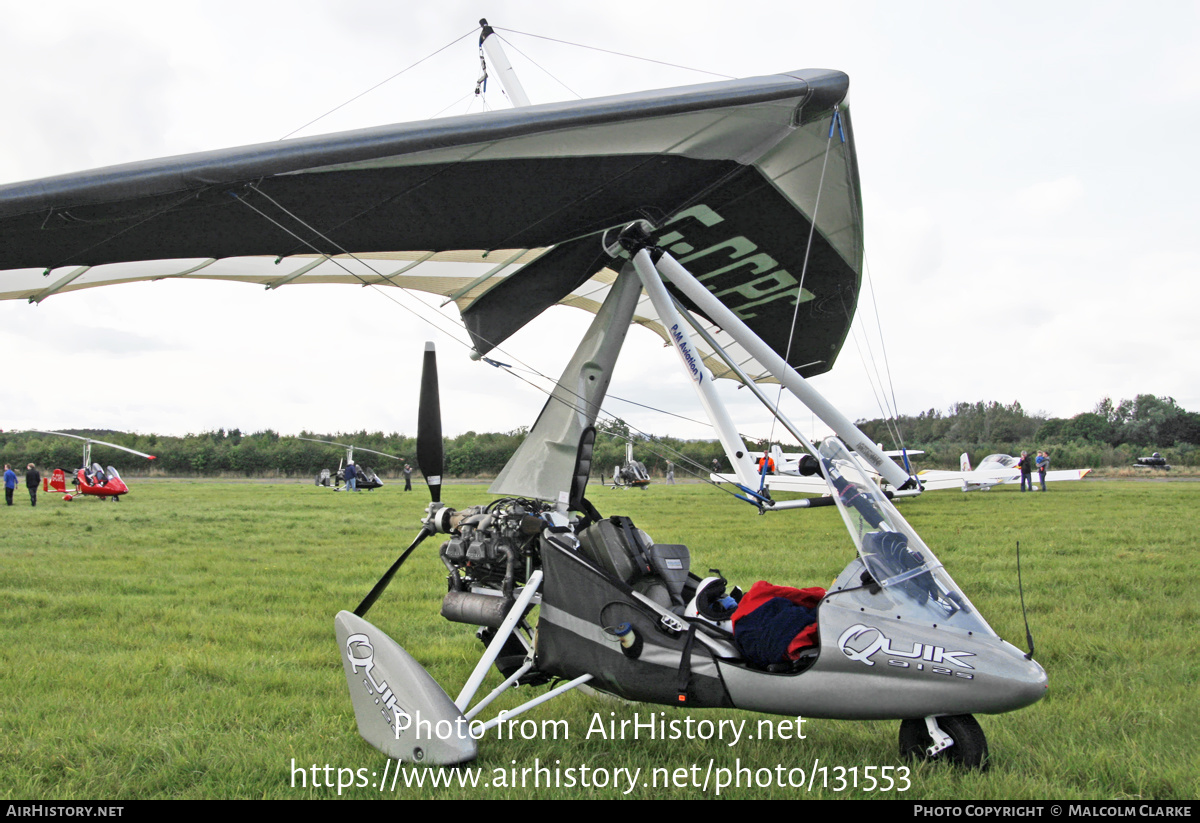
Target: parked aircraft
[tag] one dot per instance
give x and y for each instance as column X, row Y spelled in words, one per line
column 90, row 479
column 632, row 473
column 691, row 211
column 994, row 470
column 367, row 479
column 780, row 471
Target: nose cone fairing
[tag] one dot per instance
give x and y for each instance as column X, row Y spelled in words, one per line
column 899, row 639
column 876, row 665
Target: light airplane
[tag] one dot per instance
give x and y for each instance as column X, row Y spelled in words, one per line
column 800, row 473
column 367, row 479
column 994, row 470
column 90, row 479
column 692, row 211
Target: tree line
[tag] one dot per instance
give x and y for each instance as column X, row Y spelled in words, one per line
column 1112, row 434
column 230, row 452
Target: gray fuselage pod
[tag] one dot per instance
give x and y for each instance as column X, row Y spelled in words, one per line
column 400, row 708
column 879, row 661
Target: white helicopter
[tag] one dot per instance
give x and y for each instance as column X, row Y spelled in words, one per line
column 692, row 211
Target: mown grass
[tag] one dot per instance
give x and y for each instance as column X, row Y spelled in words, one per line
column 180, row 644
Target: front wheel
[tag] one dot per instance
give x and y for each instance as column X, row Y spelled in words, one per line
column 969, row 748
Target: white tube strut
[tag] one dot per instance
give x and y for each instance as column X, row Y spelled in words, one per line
column 702, row 379
column 503, row 66
column 780, row 370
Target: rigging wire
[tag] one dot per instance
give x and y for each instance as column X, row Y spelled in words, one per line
column 307, row 243
column 834, row 124
column 346, row 268
column 886, row 362
column 879, row 387
column 576, row 203
column 679, row 457
column 467, row 97
column 681, row 460
column 380, row 83
column 545, row 71
column 617, row 53
column 812, row 228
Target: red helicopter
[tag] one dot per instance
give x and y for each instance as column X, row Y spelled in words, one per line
column 91, row 479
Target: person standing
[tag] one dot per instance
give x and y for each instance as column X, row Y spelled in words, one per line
column 10, row 483
column 351, row 478
column 670, row 473
column 407, row 477
column 1026, row 467
column 32, row 479
column 1043, row 465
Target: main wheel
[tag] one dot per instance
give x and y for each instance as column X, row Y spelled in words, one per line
column 970, row 749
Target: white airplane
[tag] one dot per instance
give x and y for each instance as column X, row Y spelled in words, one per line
column 993, row 471
column 799, row 472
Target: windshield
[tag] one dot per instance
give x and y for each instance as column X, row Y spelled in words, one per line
column 894, row 554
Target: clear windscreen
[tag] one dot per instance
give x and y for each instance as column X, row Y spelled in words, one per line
column 893, row 553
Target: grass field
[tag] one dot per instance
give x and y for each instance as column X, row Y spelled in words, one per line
column 180, row 645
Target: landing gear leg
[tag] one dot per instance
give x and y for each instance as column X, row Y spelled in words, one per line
column 956, row 739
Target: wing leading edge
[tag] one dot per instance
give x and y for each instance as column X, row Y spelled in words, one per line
column 501, row 212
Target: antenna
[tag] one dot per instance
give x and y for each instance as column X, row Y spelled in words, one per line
column 1024, row 614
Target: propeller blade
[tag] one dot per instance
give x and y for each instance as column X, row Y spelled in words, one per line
column 429, row 459
column 370, row 599
column 429, row 426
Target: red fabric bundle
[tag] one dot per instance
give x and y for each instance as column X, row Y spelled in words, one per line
column 762, row 591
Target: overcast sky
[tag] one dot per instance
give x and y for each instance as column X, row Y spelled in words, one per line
column 1028, row 171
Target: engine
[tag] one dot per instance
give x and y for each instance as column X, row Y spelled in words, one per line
column 492, row 549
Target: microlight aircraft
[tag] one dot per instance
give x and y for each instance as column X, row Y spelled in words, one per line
column 724, row 217
column 91, row 478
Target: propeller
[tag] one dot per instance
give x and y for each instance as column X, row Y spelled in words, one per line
column 370, row 599
column 430, row 458
column 429, row 426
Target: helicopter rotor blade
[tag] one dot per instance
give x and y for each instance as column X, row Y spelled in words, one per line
column 89, row 441
column 349, row 446
column 370, row 599
column 430, row 457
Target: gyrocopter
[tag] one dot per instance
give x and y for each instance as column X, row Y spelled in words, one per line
column 632, row 473
column 726, row 217
column 366, row 478
column 90, row 478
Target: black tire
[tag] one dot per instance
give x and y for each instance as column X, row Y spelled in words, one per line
column 970, row 749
